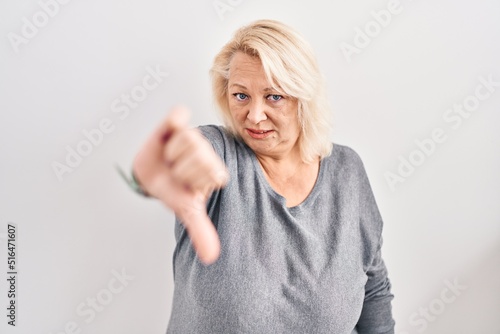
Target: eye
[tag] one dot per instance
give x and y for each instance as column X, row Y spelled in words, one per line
column 274, row 97
column 240, row 96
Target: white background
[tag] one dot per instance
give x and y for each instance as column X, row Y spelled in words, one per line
column 442, row 224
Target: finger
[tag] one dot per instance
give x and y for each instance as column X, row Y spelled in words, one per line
column 220, row 175
column 176, row 120
column 181, row 144
column 190, row 172
column 151, row 153
column 195, row 166
column 215, row 178
column 201, row 231
column 200, row 172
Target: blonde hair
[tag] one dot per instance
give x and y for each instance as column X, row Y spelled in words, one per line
column 291, row 68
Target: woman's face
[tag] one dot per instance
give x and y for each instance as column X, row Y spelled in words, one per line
column 265, row 119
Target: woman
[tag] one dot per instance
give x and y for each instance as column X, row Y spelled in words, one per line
column 286, row 220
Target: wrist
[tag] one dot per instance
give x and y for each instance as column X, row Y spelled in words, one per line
column 133, row 182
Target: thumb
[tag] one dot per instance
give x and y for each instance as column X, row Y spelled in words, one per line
column 177, row 119
column 201, row 230
column 152, row 151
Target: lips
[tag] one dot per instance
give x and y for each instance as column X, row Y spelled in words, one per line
column 259, row 134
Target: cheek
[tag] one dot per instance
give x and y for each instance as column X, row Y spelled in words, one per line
column 236, row 111
column 292, row 122
column 288, row 115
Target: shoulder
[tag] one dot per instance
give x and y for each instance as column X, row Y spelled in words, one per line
column 350, row 177
column 345, row 160
column 350, row 182
column 225, row 144
column 213, row 133
column 221, row 139
column 345, row 153
column 347, row 174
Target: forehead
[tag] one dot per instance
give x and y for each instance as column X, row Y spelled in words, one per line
column 245, row 69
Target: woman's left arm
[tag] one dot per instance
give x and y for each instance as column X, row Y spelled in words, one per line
column 376, row 315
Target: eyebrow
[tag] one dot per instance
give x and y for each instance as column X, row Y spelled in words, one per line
column 268, row 89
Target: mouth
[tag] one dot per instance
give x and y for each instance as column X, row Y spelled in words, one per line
column 259, row 134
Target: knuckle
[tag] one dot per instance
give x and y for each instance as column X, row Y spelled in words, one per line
column 191, row 137
column 170, row 150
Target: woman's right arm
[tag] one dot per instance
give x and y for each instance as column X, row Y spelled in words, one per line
column 178, row 166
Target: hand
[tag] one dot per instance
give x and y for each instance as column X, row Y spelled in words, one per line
column 179, row 166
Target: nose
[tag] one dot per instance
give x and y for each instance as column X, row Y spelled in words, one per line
column 256, row 112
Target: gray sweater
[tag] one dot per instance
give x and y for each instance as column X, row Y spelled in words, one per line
column 312, row 268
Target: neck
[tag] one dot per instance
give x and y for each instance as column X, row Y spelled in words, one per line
column 290, row 177
column 283, row 167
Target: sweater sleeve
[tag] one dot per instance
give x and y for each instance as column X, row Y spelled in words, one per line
column 376, row 315
column 214, row 134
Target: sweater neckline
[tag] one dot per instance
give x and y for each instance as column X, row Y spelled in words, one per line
column 306, row 202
